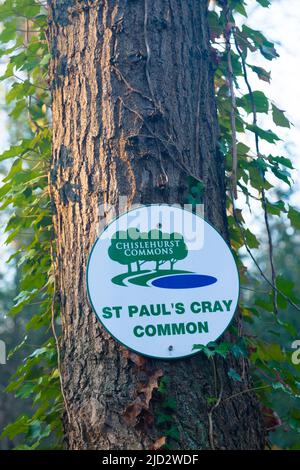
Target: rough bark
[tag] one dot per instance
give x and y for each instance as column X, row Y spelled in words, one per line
column 134, row 114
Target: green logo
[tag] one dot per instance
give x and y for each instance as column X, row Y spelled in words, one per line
column 157, row 250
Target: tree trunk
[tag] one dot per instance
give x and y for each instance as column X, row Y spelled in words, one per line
column 134, row 114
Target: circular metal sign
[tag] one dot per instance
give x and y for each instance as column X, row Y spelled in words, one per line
column 161, row 280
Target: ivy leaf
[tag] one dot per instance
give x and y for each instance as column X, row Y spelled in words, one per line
column 261, row 73
column 17, row 348
column 31, row 10
column 9, row 31
column 25, row 390
column 239, row 351
column 257, row 37
column 239, row 7
column 294, row 216
column 170, row 403
column 162, row 418
column 264, row 3
column 269, row 52
column 9, row 72
column 266, row 304
column 275, row 208
column 282, row 161
column 36, row 432
column 260, row 101
column 266, row 47
column 251, row 239
column 242, row 149
column 283, row 175
column 285, row 285
column 268, row 135
column 207, row 351
column 20, row 426
column 45, row 59
column 234, row 375
column 279, row 117
column 223, row 348
column 173, row 433
column 215, row 27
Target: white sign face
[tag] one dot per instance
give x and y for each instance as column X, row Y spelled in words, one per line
column 161, row 280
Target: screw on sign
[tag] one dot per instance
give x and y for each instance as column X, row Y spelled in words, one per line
column 168, row 281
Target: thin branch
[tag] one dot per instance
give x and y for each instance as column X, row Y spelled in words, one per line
column 228, row 32
column 255, row 290
column 271, row 284
column 245, row 391
column 163, row 142
column 130, row 88
column 57, row 340
column 148, row 51
column 263, row 194
column 210, row 418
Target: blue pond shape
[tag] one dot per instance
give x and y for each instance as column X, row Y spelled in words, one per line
column 183, row 281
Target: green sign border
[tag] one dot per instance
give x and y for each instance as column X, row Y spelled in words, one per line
column 99, row 319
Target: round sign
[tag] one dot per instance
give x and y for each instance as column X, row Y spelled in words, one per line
column 161, row 280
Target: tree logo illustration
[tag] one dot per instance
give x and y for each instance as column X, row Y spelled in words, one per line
column 150, row 258
column 146, row 254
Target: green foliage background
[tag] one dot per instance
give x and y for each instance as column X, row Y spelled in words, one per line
column 270, row 305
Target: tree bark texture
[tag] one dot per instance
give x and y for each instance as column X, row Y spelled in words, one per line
column 134, row 114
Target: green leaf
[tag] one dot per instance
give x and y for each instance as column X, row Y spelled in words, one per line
column 242, row 149
column 275, row 208
column 25, row 390
column 13, row 151
column 282, row 174
column 19, row 90
column 279, row 117
column 294, row 216
column 251, row 239
column 285, row 285
column 39, row 352
column 173, row 433
column 9, row 72
column 223, row 348
column 9, row 31
column 269, row 136
column 282, row 161
column 162, row 418
column 257, row 99
column 4, row 190
column 18, row 347
column 261, row 73
column 36, row 431
column 20, row 426
column 170, row 403
column 264, row 3
column 266, row 47
column 239, row 7
column 234, row 375
column 269, row 52
column 215, row 27
column 45, row 60
column 239, row 351
column 265, row 304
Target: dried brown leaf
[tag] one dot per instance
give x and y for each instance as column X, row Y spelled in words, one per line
column 159, row 443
